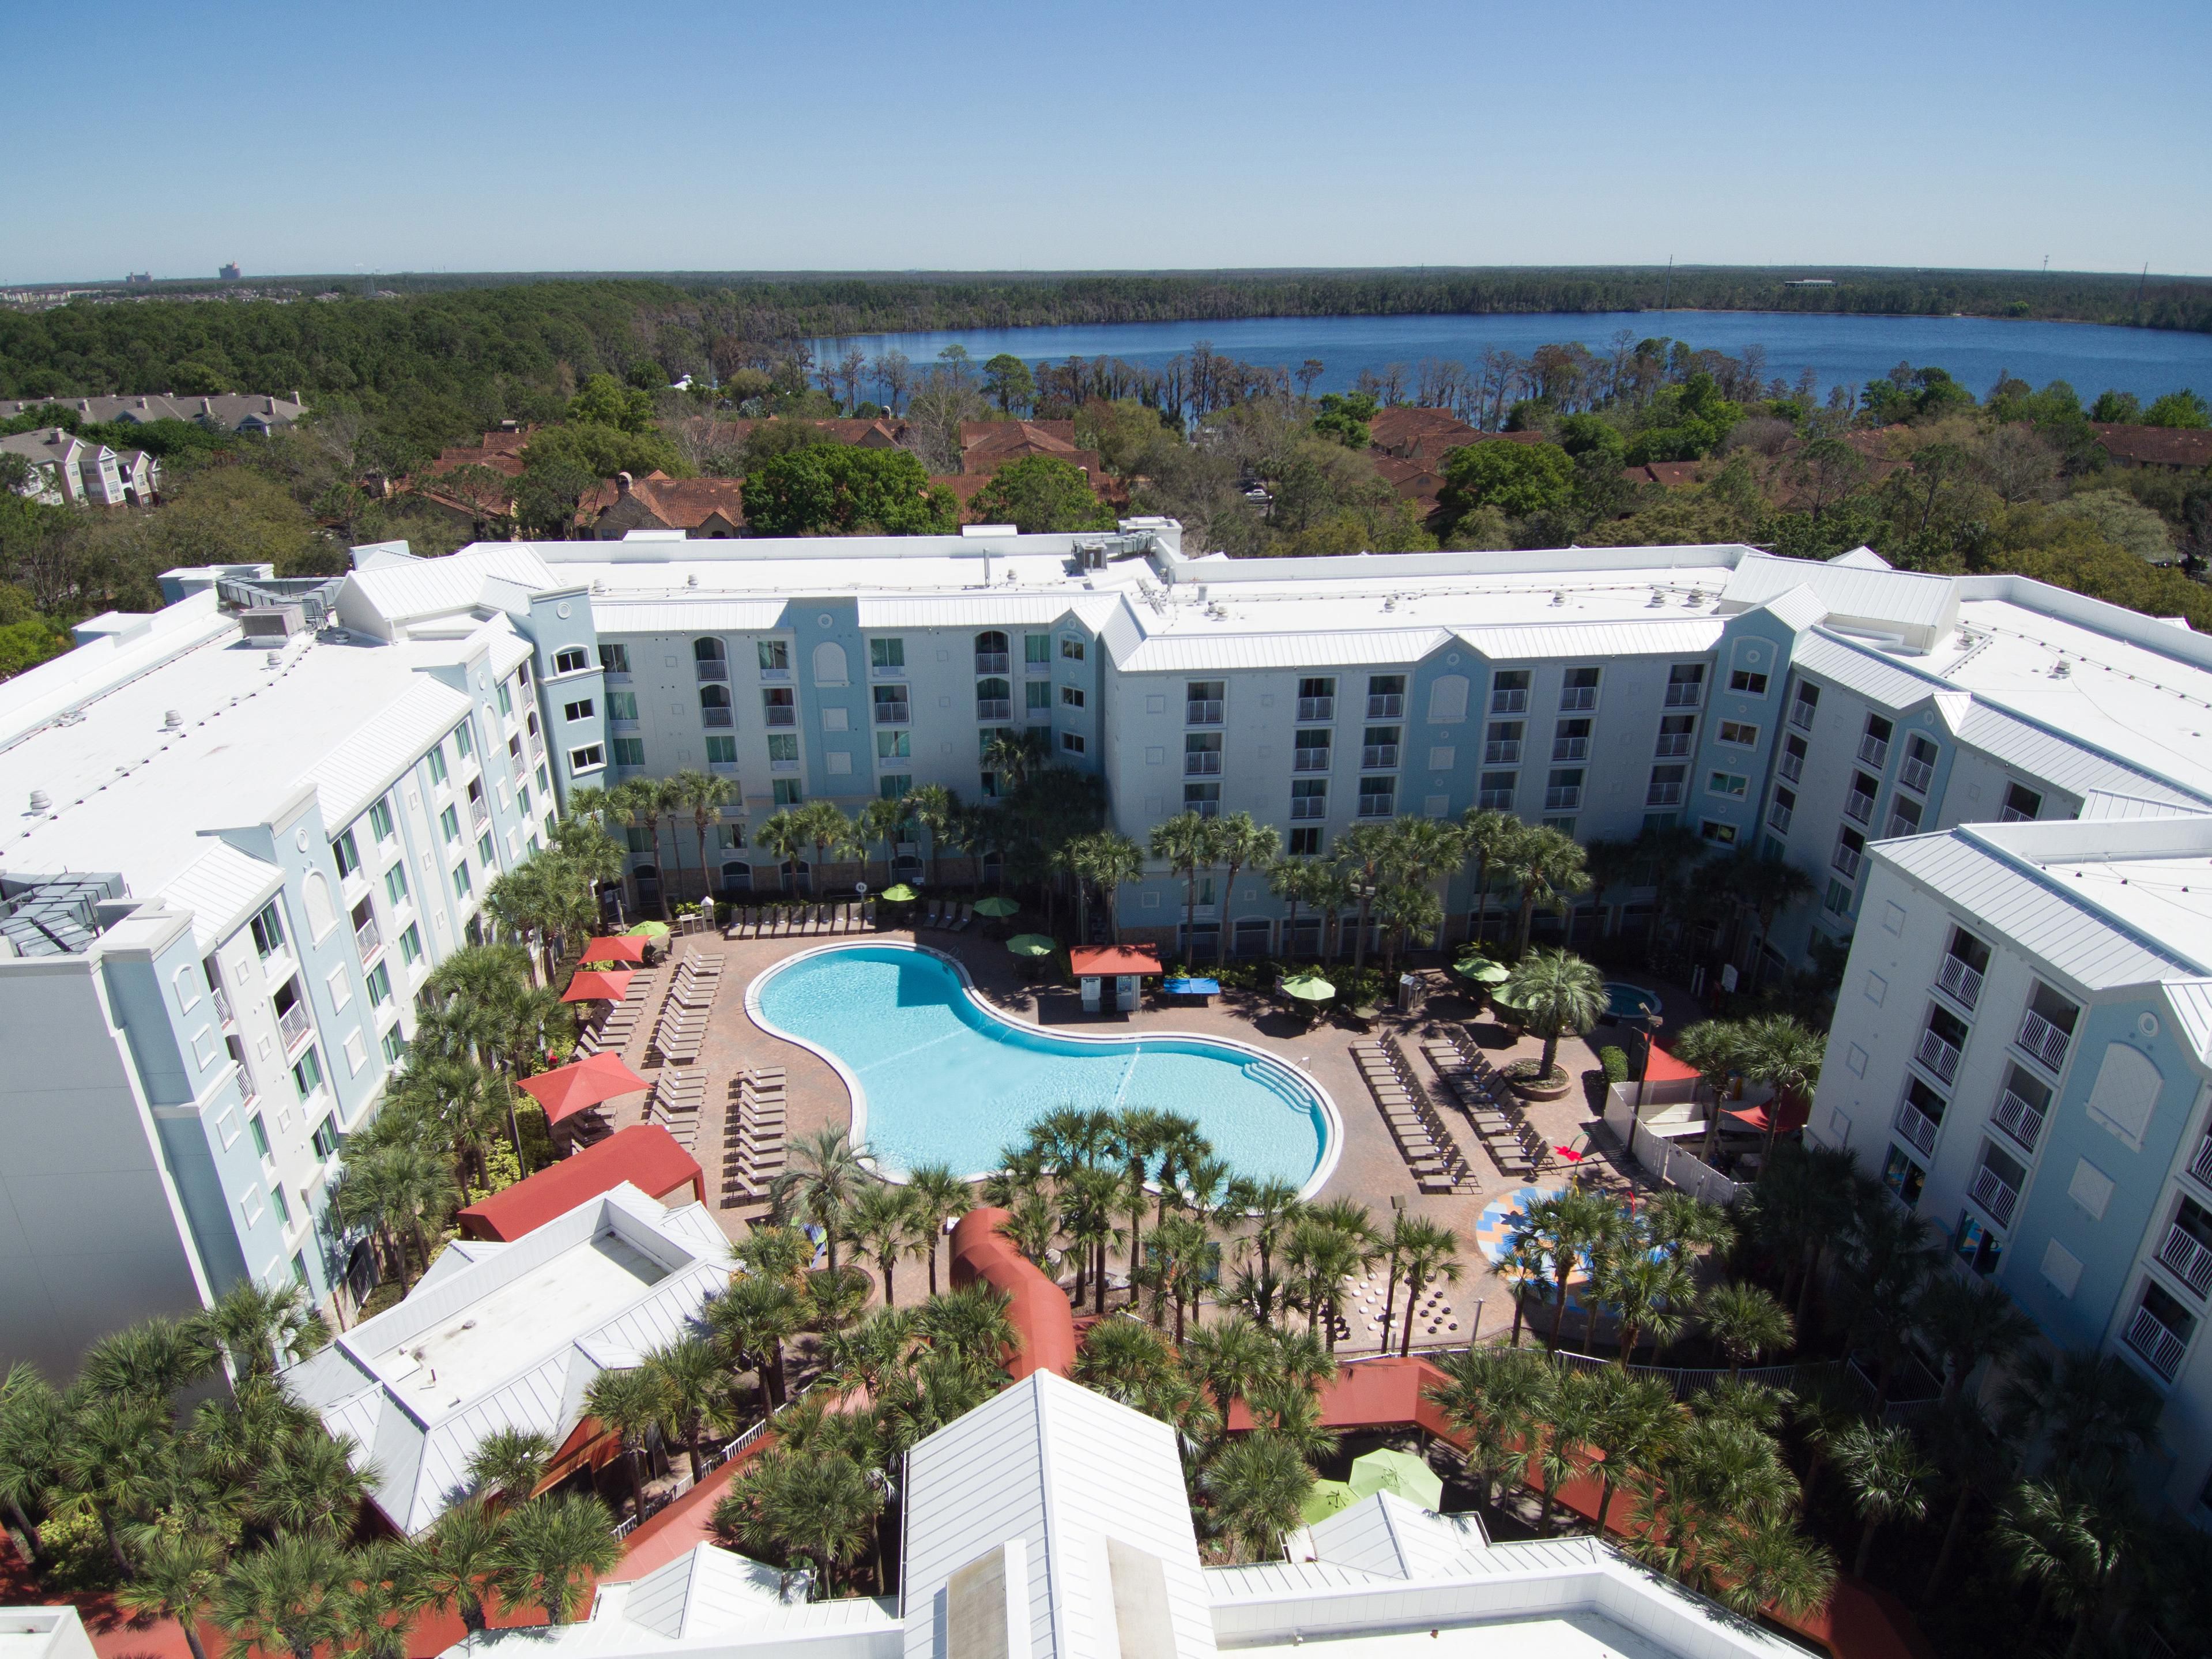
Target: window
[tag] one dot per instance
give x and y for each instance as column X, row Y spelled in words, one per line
column 348, row 858
column 1578, row 688
column 1071, row 696
column 895, row 786
column 1750, row 684
column 260, row 1134
column 1666, row 786
column 325, row 1138
column 1685, row 685
column 1562, row 790
column 463, row 886
column 622, row 706
column 284, row 1206
column 380, row 986
column 774, row 656
column 615, row 658
column 1874, row 742
column 395, row 885
column 1037, row 649
column 1071, row 649
column 1509, row 692
column 785, row 792
column 1201, row 753
column 1903, row 1176
column 269, row 930
column 484, row 850
column 571, row 660
column 1378, row 747
column 1317, row 699
column 1386, row 696
column 721, row 751
column 449, row 821
column 394, row 1046
column 463, row 742
column 1378, row 797
column 1675, row 731
column 1310, row 750
column 545, row 780
column 1501, row 745
column 582, row 709
column 2020, row 803
column 1838, row 900
column 506, row 702
column 1721, row 834
column 1308, row 797
column 1037, row 698
column 1570, row 740
column 1783, row 809
column 1808, row 700
column 1305, row 842
column 1736, row 731
column 1203, row 799
column 1071, row 743
column 589, row 758
column 886, row 653
column 437, row 759
column 1496, row 792
column 410, row 946
column 379, row 820
column 307, row 1073
column 630, row 751
column 1202, row 701
column 1732, row 785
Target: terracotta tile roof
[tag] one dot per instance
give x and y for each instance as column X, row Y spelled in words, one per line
column 2156, row 446
column 1418, row 482
column 670, row 503
column 1412, row 433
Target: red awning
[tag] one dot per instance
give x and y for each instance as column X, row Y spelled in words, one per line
column 1794, row 1115
column 645, row 1155
column 577, row 1088
column 595, row 985
column 623, row 947
column 1663, row 1067
column 1104, row 959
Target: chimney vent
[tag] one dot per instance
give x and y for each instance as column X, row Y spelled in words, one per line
column 622, row 483
column 41, row 801
column 173, row 720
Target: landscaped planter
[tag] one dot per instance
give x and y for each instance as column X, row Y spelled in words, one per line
column 1521, row 1074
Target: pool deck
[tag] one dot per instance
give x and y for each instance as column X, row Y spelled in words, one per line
column 1369, row 1169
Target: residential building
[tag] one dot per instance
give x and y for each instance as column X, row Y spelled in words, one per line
column 222, row 411
column 66, row 470
column 712, row 509
column 2176, row 449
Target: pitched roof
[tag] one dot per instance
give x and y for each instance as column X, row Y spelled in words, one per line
column 645, row 1155
column 677, row 503
column 2156, row 446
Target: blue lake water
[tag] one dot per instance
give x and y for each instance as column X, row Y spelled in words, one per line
column 1839, row 350
column 947, row 1081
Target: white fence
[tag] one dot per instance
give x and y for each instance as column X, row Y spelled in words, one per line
column 1665, row 1161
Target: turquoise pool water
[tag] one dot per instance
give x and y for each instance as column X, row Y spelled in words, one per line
column 946, row 1081
column 1626, row 1001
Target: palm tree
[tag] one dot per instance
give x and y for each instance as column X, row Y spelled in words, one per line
column 115, row 1462
column 939, row 1196
column 694, row 1390
column 149, row 1362
column 881, row 1221
column 1969, row 1320
column 1488, row 835
column 1887, row 1476
column 2073, row 1540
column 1189, row 844
column 1126, row 1361
column 312, row 1485
column 511, row 1462
column 1319, row 1259
column 1179, row 1246
column 877, row 823
column 1271, row 1208
column 971, row 1322
column 629, row 1404
column 1679, row 1222
column 176, row 1574
column 34, row 1422
column 1404, row 911
column 1966, row 1448
column 461, row 1562
column 753, row 1319
column 1785, row 1055
column 2090, row 1412
column 1112, row 861
column 1421, row 852
column 1545, row 865
column 1745, row 1321
column 556, row 1546
column 1770, row 1564
column 263, row 1326
column 659, row 800
column 1563, row 1226
column 824, row 1176
column 1650, row 1294
column 1228, row 1358
column 936, row 809
column 1634, row 1428
column 702, row 794
column 282, row 1596
column 1240, row 844
column 1570, row 1419
column 1362, row 855
column 1255, row 1487
column 1430, row 1253
column 1088, row 1196
column 827, row 831
column 375, row 1605
column 1714, row 1048
column 1296, row 881
column 827, row 1507
column 783, row 836
column 1494, row 1396
column 1558, row 992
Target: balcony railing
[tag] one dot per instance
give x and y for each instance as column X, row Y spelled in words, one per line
column 367, row 938
column 1569, row 748
column 1567, row 799
column 1377, row 806
column 2018, row 1118
column 1496, row 801
column 1916, row 775
column 1389, row 706
column 295, row 1023
column 1310, row 806
column 1576, row 697
column 1309, row 760
column 1995, row 1194
column 2201, row 1165
column 1916, row 1127
column 1938, row 1056
column 1202, row 711
column 2191, row 1262
column 717, row 717
column 1203, row 765
column 222, row 1004
column 1672, row 745
column 2013, row 815
column 1378, row 755
column 1509, row 703
column 1664, row 795
column 1507, row 753
column 778, row 764
column 478, row 811
column 1793, row 766
column 892, row 713
column 1858, row 806
column 1316, row 708
column 1684, row 696
column 1801, row 715
column 777, row 676
column 712, row 671
column 1847, row 859
column 2161, row 1348
column 1779, row 816
column 2042, row 1040
column 994, row 662
column 1900, row 825
column 1872, row 749
column 781, row 716
column 994, row 708
column 1959, row 981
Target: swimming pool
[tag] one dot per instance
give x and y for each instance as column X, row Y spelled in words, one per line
column 939, row 1076
column 1626, row 1001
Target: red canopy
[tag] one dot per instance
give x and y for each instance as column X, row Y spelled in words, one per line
column 577, row 1088
column 623, row 947
column 1103, row 959
column 1794, row 1112
column 593, row 985
column 1663, row 1067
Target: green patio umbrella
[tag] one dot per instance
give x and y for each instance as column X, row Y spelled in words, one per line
column 1326, row 1498
column 997, row 905
column 650, row 929
column 901, row 894
column 1409, row 1477
column 1031, row 944
column 1482, row 970
column 1308, row 988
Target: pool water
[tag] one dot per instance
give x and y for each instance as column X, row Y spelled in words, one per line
column 942, row 1079
column 1626, row 1001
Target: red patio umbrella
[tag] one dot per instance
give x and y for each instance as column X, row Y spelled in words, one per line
column 594, row 986
column 578, row 1088
column 622, row 947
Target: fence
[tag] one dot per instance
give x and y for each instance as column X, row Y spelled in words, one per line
column 1659, row 1157
column 711, row 1458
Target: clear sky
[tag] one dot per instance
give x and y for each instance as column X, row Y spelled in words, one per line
column 152, row 135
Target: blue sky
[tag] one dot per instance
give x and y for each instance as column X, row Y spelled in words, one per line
column 975, row 134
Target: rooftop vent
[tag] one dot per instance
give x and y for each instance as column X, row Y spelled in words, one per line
column 692, row 579
column 173, row 720
column 41, row 801
column 2061, row 670
column 1657, row 599
column 1697, row 597
column 1391, row 603
column 1558, row 598
column 275, row 659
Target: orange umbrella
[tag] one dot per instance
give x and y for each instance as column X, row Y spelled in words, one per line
column 624, row 947
column 578, row 1088
column 593, row 986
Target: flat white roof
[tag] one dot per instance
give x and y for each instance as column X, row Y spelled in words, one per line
column 1555, row 1636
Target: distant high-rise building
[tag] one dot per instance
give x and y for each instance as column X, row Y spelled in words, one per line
column 141, row 279
column 230, row 273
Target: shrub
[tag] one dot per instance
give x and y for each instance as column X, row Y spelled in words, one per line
column 1615, row 1064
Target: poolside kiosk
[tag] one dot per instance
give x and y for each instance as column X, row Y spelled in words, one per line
column 1126, row 965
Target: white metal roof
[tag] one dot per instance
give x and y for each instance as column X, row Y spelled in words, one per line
column 702, row 1590
column 223, row 888
column 1387, row 1535
column 1188, row 652
column 1680, row 636
column 368, row 763
column 1903, row 601
column 399, row 592
column 613, row 614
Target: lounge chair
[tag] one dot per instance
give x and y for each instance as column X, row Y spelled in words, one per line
column 967, row 917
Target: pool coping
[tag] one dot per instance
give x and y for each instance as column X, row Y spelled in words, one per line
column 1333, row 1120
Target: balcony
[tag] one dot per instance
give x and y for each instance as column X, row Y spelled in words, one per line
column 1672, row 745
column 1316, row 708
column 1378, row 756
column 1873, row 751
column 2189, row 1261
column 1847, row 860
column 1577, row 698
column 994, row 662
column 1778, row 818
column 1801, row 715
column 1916, row 1127
column 294, row 1023
column 1941, row 1059
column 777, row 676
column 2013, row 815
column 1205, row 809
column 1203, row 765
column 1664, row 795
column 1502, row 754
column 1377, row 806
column 2201, row 1165
column 892, row 713
column 1388, row 707
column 783, row 717
column 1309, row 760
column 1960, row 982
column 2042, row 1040
column 1202, row 711
column 2018, row 1120
column 367, row 938
column 1899, row 826
column 717, row 671
column 1793, row 767
column 2160, row 1347
column 712, row 718
column 1507, row 702
column 1916, row 775
column 479, row 812
column 1995, row 1194
column 994, row 708
column 1496, row 801
column 1858, row 806
column 1567, row 799
column 1569, row 748
column 222, row 1004
column 780, row 765
column 1684, row 696
column 1310, row 806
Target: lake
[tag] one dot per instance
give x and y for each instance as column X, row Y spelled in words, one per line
column 1839, row 350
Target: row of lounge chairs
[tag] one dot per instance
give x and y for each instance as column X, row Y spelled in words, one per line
column 1424, row 1141
column 753, row 1134
column 616, row 1030
column 674, row 1104
column 799, row 920
column 951, row 917
column 683, row 1023
column 1491, row 1107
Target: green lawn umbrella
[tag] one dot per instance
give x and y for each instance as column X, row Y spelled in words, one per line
column 1031, row 944
column 1482, row 970
column 1398, row 1472
column 997, row 905
column 652, row 929
column 901, row 894
column 1308, row 988
column 1326, row 1498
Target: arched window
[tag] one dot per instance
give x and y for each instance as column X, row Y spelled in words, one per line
column 828, row 664
column 991, row 654
column 994, row 700
column 1252, row 937
column 737, row 877
column 714, row 705
column 708, row 650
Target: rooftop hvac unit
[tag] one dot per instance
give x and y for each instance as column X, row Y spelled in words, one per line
column 273, row 624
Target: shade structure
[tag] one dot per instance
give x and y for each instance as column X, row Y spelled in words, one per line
column 997, row 905
column 1115, row 959
column 572, row 1089
column 898, row 893
column 650, row 930
column 1402, row 1473
column 622, row 947
column 1308, row 988
column 1029, row 945
column 1482, row 970
column 1325, row 1499
column 594, row 985
column 1792, row 1114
